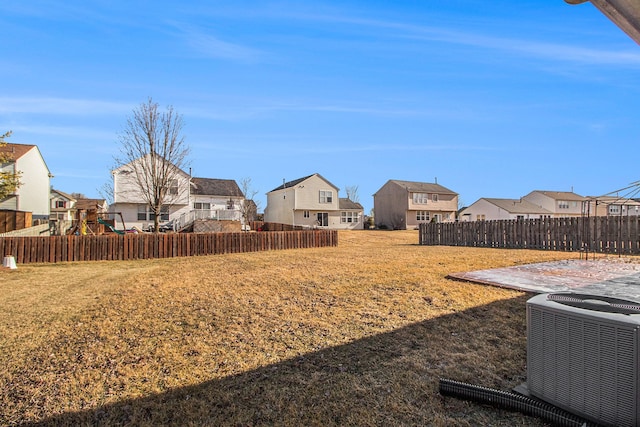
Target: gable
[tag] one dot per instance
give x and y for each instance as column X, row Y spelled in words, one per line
column 61, row 195
column 15, row 151
column 299, row 181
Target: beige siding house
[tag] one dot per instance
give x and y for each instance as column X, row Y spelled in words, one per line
column 611, row 206
column 559, row 203
column 33, row 193
column 406, row 204
column 487, row 209
column 63, row 206
column 312, row 201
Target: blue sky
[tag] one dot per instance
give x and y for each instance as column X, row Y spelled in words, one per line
column 491, row 99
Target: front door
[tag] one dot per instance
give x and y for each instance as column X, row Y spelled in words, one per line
column 323, row 219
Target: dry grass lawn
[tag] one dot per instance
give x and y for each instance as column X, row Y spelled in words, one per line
column 353, row 335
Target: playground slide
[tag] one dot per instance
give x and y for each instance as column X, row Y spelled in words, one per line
column 121, row 232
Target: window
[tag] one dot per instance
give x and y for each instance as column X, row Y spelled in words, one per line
column 563, row 204
column 164, row 214
column 146, row 214
column 201, row 206
column 173, row 187
column 61, row 204
column 422, row 215
column 323, row 219
column 434, row 197
column 142, row 213
column 349, row 217
column 480, row 217
column 420, row 198
column 305, row 214
column 326, row 196
column 230, row 204
column 614, row 209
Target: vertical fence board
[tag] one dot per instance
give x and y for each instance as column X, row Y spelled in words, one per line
column 143, row 246
column 620, row 235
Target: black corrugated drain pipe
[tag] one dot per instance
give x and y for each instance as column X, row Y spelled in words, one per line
column 512, row 401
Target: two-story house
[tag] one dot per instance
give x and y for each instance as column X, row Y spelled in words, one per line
column 559, row 203
column 406, row 204
column 312, row 201
column 213, row 198
column 188, row 199
column 33, row 193
column 487, row 209
column 63, row 206
column 129, row 197
column 611, row 206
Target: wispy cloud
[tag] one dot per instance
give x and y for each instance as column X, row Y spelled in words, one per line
column 468, row 37
column 87, row 134
column 256, row 108
column 62, row 106
column 211, row 46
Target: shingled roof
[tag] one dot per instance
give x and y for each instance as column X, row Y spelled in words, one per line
column 15, row 151
column 348, row 204
column 290, row 184
column 423, row 187
column 215, row 187
column 518, row 206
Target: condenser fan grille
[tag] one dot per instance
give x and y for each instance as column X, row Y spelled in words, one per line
column 584, row 361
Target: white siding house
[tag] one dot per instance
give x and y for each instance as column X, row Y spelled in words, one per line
column 129, row 200
column 312, row 201
column 33, row 193
column 188, row 199
column 487, row 209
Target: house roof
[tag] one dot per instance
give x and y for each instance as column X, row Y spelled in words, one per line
column 215, row 187
column 517, row 206
column 295, row 182
column 65, row 195
column 624, row 13
column 613, row 200
column 15, row 151
column 561, row 195
column 423, row 187
column 348, row 204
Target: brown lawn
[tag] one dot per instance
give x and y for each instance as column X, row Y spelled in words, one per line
column 358, row 334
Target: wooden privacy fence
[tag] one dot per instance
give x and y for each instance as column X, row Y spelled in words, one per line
column 146, row 246
column 619, row 235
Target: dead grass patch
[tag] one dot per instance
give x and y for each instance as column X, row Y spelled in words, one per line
column 353, row 335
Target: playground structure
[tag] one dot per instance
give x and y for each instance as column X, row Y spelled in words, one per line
column 90, row 221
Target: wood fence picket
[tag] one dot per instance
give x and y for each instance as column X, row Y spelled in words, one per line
column 111, row 247
column 620, row 235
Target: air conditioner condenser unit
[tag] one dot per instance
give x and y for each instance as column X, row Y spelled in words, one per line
column 583, row 355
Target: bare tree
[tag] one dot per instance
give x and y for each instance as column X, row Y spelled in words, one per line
column 352, row 193
column 155, row 153
column 250, row 206
column 9, row 178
